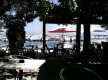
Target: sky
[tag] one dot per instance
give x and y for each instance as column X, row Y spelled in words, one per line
column 36, row 27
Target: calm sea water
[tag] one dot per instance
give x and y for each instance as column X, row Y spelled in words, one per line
column 50, row 44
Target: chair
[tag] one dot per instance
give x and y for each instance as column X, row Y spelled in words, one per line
column 7, row 74
column 26, row 73
column 77, row 72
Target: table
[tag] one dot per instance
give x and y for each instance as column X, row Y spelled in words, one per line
column 29, row 64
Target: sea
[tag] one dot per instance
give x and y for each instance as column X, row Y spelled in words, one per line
column 52, row 44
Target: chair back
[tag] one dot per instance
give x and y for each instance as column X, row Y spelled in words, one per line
column 78, row 73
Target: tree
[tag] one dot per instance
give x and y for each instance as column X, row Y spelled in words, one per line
column 105, row 26
column 16, row 14
column 2, row 24
column 85, row 12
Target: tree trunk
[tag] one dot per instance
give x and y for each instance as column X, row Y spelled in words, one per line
column 86, row 42
column 16, row 36
column 86, row 36
column 78, row 35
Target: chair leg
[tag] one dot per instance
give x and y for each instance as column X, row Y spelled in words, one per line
column 34, row 74
column 16, row 77
column 31, row 75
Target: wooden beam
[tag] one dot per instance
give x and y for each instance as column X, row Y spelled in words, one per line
column 44, row 36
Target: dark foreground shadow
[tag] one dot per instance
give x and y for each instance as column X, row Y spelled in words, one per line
column 51, row 69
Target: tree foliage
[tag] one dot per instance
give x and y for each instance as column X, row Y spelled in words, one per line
column 105, row 26
column 66, row 10
column 16, row 14
column 2, row 24
column 93, row 10
column 26, row 9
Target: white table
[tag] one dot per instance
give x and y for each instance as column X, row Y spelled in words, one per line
column 29, row 64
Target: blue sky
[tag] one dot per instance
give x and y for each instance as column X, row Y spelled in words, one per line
column 36, row 27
